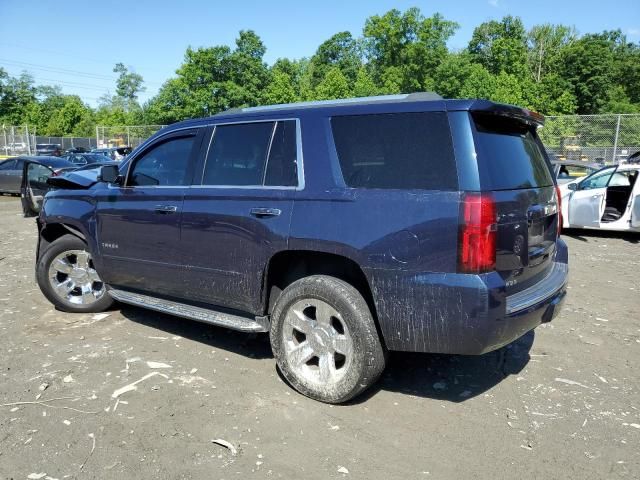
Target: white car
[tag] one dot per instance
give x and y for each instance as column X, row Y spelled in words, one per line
column 608, row 199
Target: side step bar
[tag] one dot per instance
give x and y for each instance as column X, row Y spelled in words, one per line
column 234, row 322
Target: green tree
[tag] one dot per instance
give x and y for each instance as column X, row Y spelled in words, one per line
column 17, row 94
column 479, row 83
column 404, row 49
column 452, row 74
column 364, row 86
column 545, row 43
column 501, row 46
column 553, row 96
column 65, row 120
column 341, row 51
column 280, row 89
column 587, row 64
column 128, row 85
column 333, row 85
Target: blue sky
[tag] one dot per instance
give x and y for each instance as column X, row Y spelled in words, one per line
column 76, row 43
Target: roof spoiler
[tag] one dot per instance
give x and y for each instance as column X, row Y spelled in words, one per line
column 523, row 115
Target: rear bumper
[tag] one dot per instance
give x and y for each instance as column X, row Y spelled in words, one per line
column 463, row 314
column 526, row 310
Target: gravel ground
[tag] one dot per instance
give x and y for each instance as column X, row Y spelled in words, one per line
column 559, row 403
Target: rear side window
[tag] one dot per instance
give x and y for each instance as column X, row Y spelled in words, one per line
column 238, row 154
column 510, row 155
column 282, row 167
column 396, row 151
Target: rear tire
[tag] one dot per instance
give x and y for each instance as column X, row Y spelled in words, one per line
column 67, row 277
column 324, row 339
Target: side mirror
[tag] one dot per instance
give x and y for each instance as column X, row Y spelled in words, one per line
column 572, row 186
column 109, row 174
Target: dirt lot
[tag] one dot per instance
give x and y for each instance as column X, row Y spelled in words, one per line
column 561, row 403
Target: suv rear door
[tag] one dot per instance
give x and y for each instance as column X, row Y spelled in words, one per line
column 513, row 166
column 237, row 213
column 138, row 222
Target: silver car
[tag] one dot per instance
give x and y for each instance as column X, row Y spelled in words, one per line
column 11, row 170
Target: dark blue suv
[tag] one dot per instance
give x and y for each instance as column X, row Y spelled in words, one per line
column 344, row 229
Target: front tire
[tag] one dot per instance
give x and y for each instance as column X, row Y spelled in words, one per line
column 67, row 277
column 324, row 339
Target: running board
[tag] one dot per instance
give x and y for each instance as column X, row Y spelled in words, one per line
column 234, row 322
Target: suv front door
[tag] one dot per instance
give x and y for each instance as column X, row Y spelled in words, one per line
column 237, row 213
column 138, row 222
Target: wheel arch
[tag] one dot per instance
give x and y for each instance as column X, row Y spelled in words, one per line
column 50, row 232
column 287, row 266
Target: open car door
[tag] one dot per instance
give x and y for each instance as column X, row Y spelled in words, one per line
column 34, row 187
column 635, row 204
column 587, row 202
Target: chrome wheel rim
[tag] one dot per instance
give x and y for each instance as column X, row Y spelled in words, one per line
column 317, row 342
column 74, row 278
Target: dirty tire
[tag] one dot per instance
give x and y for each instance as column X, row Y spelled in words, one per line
column 366, row 360
column 56, row 248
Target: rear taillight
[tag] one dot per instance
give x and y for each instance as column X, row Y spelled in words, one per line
column 478, row 230
column 559, row 204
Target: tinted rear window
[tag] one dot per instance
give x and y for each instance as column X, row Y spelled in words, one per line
column 510, row 155
column 396, row 151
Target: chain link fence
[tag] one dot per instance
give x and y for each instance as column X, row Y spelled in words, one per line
column 16, row 140
column 123, row 136
column 592, row 138
column 68, row 142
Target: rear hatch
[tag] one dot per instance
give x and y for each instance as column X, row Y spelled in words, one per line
column 515, row 171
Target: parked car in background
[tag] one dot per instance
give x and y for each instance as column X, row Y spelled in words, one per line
column 86, row 158
column 343, row 228
column 76, row 150
column 115, row 153
column 39, row 178
column 11, row 170
column 567, row 170
column 50, row 149
column 608, row 199
column 16, row 148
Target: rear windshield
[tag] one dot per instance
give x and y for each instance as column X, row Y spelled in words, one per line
column 510, row 155
column 411, row 151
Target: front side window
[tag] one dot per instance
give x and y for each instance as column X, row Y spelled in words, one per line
column 253, row 154
column 396, row 151
column 597, row 180
column 165, row 164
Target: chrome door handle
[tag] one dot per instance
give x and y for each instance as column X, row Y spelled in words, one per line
column 265, row 212
column 166, row 208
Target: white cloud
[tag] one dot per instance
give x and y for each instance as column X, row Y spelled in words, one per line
column 634, row 32
column 493, row 3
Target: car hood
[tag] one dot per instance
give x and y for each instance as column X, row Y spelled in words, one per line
column 75, row 180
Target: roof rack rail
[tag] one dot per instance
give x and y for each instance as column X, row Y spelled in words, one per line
column 405, row 97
